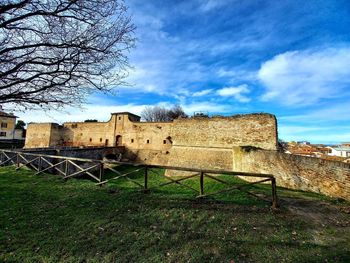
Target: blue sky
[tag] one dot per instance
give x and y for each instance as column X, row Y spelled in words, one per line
column 289, row 58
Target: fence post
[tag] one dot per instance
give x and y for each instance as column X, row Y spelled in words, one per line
column 66, row 169
column 17, row 160
column 145, row 189
column 201, row 184
column 101, row 172
column 39, row 164
column 274, row 193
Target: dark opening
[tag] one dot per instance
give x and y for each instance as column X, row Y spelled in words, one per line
column 118, row 140
column 119, row 118
column 147, row 141
column 100, row 139
column 106, row 142
column 132, row 140
column 90, row 139
column 164, row 141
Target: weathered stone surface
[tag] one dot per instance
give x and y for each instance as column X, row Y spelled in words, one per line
column 207, row 143
column 297, row 172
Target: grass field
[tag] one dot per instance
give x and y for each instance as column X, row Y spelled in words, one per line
column 45, row 219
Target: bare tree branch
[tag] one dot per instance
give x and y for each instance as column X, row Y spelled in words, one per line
column 55, row 52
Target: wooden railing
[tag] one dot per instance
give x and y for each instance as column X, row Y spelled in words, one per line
column 70, row 167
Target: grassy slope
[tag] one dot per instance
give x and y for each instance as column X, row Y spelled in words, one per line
column 44, row 219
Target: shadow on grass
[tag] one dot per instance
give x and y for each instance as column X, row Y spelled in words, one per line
column 43, row 219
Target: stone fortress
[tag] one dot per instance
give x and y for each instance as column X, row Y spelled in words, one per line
column 247, row 143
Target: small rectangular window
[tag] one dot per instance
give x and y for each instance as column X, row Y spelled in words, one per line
column 2, row 134
column 164, row 141
column 3, row 125
column 100, row 139
column 147, row 141
column 132, row 140
column 119, row 118
column 90, row 139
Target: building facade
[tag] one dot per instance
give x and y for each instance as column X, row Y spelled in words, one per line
column 7, row 127
column 209, row 139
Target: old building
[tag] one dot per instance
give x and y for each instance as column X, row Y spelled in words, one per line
column 246, row 143
column 8, row 132
column 158, row 142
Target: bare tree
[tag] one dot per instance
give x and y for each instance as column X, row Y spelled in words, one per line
column 177, row 112
column 161, row 114
column 55, row 52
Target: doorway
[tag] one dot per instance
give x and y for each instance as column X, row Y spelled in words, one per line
column 118, row 140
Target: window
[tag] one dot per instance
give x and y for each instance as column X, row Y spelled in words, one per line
column 90, row 139
column 119, row 118
column 106, row 142
column 74, row 126
column 164, row 141
column 100, row 139
column 147, row 141
column 132, row 140
column 3, row 125
column 2, row 134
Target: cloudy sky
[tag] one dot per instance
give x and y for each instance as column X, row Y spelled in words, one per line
column 289, row 58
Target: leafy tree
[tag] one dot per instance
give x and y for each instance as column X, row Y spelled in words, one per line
column 55, row 52
column 161, row 114
column 20, row 124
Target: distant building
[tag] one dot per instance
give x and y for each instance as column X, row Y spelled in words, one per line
column 8, row 131
column 7, row 126
column 304, row 142
column 341, row 151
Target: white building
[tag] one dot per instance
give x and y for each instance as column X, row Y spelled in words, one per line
column 341, row 151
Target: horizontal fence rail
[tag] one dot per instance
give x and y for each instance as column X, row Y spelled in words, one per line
column 69, row 167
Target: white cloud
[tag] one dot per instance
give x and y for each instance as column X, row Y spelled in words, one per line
column 306, row 77
column 236, row 92
column 202, row 92
column 330, row 113
column 102, row 112
column 209, row 107
column 99, row 112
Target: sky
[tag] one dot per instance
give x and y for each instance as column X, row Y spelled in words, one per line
column 288, row 58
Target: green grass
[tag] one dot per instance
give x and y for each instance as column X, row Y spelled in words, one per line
column 45, row 219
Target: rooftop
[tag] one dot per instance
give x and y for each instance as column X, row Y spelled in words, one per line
column 8, row 115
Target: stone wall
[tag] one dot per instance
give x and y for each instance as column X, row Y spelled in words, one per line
column 125, row 129
column 38, row 135
column 296, row 172
column 259, row 130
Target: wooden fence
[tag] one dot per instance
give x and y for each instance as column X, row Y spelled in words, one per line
column 69, row 167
